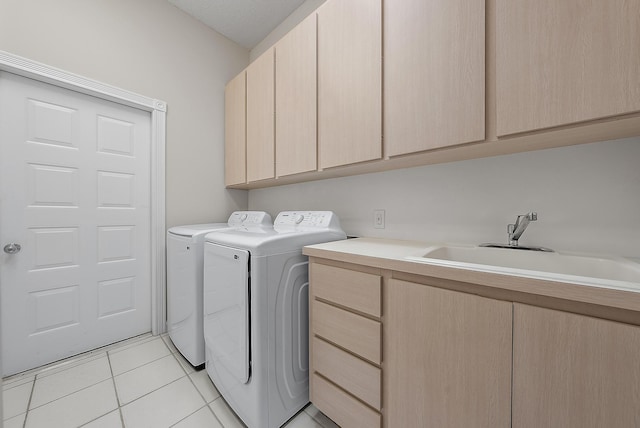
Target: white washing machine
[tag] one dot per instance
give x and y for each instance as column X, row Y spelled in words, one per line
column 256, row 320
column 184, row 280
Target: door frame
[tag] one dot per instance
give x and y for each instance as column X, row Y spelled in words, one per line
column 34, row 70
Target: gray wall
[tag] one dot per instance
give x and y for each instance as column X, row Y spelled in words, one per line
column 587, row 198
column 152, row 48
column 296, row 17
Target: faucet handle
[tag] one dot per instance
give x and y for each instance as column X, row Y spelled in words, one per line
column 511, row 228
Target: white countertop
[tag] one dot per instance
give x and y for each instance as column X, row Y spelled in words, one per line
column 393, row 255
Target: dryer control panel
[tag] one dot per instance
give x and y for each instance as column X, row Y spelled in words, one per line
column 308, row 219
column 249, row 218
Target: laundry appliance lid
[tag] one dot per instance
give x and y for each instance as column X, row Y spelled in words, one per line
column 236, row 219
column 291, row 231
column 190, row 230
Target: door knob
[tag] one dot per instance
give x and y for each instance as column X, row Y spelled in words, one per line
column 12, row 248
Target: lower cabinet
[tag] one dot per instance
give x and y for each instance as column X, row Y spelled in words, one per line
column 574, row 371
column 345, row 345
column 447, row 358
column 392, row 353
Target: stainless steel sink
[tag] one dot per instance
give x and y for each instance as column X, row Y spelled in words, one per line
column 567, row 267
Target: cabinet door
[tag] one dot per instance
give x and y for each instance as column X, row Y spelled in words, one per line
column 349, row 82
column 447, row 358
column 296, row 100
column 434, row 74
column 574, row 371
column 235, row 171
column 260, row 118
column 563, row 62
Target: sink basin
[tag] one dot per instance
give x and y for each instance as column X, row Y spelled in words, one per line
column 567, row 267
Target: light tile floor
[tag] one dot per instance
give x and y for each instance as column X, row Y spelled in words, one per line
column 141, row 382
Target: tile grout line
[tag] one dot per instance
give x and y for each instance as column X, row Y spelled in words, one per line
column 176, row 355
column 95, row 419
column 147, row 363
column 67, row 395
column 203, row 398
column 52, row 367
column 113, row 380
column 214, row 413
column 151, row 392
column 71, row 393
column 77, row 359
column 191, row 380
column 72, row 364
column 166, row 342
column 129, row 345
column 117, row 398
column 8, row 383
column 193, row 413
column 26, row 413
column 316, row 420
column 179, row 363
column 142, row 365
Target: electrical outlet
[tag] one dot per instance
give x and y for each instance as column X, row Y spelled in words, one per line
column 378, row 219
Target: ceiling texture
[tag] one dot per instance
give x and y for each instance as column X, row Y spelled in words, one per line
column 246, row 22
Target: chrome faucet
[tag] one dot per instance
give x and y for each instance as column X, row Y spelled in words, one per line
column 516, row 230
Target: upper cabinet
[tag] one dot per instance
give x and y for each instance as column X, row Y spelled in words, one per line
column 235, row 171
column 462, row 79
column 434, row 74
column 564, row 62
column 296, row 100
column 349, row 82
column 261, row 118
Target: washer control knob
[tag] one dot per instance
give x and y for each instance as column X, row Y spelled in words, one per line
column 298, row 219
column 243, row 217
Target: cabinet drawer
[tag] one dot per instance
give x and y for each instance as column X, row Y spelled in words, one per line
column 345, row 410
column 350, row 373
column 356, row 333
column 357, row 290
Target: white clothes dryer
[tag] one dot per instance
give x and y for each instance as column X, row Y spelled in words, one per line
column 256, row 320
column 185, row 249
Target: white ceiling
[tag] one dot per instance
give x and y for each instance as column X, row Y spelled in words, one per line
column 246, row 22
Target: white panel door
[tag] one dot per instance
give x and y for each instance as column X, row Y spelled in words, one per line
column 75, row 195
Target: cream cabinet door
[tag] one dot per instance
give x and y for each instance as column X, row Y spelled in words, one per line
column 235, row 141
column 260, row 118
column 447, row 358
column 434, row 74
column 296, row 100
column 349, row 82
column 574, row 371
column 564, row 62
